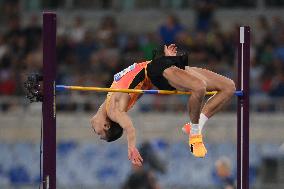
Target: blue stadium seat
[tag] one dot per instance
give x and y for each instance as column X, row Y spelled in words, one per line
column 64, row 147
column 19, row 175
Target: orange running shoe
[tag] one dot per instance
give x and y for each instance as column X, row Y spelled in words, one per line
column 197, row 147
column 186, row 128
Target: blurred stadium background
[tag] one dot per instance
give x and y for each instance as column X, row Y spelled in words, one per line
column 95, row 39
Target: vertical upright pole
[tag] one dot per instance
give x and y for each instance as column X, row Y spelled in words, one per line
column 243, row 108
column 48, row 106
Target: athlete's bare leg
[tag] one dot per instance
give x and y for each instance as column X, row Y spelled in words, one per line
column 184, row 80
column 199, row 81
column 214, row 82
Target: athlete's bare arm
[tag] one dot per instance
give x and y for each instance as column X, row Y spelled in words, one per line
column 117, row 113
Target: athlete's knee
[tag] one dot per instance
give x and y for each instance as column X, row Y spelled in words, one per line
column 229, row 87
column 199, row 87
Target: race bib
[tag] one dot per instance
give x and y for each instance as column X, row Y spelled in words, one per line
column 120, row 74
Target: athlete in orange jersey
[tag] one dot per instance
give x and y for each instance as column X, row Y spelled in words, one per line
column 111, row 116
column 169, row 72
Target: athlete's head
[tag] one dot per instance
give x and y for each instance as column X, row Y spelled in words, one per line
column 114, row 132
column 107, row 129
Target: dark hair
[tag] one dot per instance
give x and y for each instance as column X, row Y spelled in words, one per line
column 114, row 132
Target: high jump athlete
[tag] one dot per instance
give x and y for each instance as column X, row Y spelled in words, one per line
column 169, row 72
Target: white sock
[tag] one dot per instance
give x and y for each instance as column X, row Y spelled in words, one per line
column 202, row 120
column 194, row 129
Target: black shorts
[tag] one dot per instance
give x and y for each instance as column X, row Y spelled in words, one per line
column 157, row 66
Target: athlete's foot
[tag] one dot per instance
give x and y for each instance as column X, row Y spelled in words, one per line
column 196, row 145
column 197, row 148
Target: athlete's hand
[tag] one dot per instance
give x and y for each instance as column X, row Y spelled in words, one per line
column 134, row 156
column 170, row 50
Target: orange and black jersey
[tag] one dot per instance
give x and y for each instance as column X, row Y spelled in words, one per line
column 133, row 77
column 146, row 75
